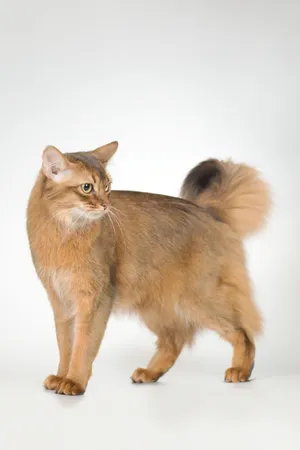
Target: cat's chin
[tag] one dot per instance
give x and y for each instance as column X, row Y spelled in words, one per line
column 79, row 217
column 94, row 215
column 88, row 216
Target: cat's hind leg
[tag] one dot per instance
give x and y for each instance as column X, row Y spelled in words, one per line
column 169, row 346
column 243, row 357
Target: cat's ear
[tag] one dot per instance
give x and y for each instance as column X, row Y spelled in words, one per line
column 104, row 153
column 55, row 165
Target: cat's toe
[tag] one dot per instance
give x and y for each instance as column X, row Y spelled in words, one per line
column 69, row 387
column 145, row 376
column 52, row 382
column 236, row 375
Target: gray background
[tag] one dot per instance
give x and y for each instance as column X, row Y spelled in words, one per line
column 174, row 82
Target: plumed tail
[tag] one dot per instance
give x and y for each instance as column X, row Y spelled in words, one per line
column 235, row 193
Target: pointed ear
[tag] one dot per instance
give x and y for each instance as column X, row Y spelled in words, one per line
column 104, row 153
column 55, row 165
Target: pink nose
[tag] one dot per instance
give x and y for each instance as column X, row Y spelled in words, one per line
column 105, row 206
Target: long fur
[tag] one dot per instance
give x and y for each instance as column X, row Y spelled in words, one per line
column 179, row 266
column 235, row 192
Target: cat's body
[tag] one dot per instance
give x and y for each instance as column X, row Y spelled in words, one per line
column 177, row 265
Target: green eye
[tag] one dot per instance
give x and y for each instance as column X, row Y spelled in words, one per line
column 87, row 188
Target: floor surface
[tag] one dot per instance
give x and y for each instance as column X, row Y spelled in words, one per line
column 191, row 407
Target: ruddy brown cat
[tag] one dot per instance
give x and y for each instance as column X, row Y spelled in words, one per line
column 178, row 263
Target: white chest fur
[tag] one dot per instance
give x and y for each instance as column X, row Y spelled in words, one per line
column 61, row 283
column 61, row 280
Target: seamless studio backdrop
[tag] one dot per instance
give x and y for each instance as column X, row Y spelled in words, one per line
column 175, row 82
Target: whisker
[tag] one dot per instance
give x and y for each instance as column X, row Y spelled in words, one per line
column 86, row 219
column 118, row 222
column 69, row 229
column 121, row 227
column 53, row 217
column 118, row 210
column 113, row 227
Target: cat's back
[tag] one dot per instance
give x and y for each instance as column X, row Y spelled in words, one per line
column 167, row 222
column 163, row 210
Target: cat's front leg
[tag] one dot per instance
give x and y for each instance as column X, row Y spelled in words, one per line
column 64, row 335
column 89, row 327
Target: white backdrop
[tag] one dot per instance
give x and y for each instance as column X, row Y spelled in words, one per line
column 175, row 82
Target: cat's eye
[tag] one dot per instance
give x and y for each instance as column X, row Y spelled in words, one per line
column 87, row 188
column 107, row 187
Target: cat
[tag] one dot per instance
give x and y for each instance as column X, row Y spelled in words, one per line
column 178, row 263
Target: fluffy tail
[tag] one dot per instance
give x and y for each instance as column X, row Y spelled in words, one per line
column 235, row 193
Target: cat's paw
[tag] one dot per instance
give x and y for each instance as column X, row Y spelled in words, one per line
column 69, row 387
column 145, row 376
column 52, row 382
column 236, row 375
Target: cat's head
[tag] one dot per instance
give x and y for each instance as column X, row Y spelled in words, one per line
column 76, row 185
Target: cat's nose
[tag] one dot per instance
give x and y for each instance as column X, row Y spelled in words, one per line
column 105, row 206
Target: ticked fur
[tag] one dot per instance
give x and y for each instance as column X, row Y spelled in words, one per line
column 177, row 263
